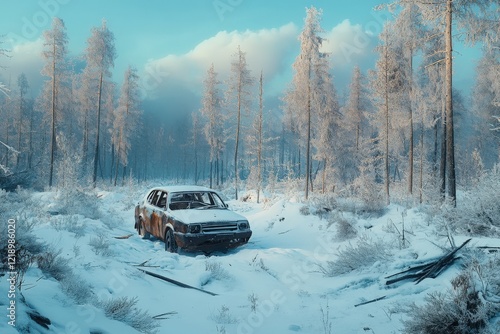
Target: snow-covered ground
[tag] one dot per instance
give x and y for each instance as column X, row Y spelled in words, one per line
column 274, row 284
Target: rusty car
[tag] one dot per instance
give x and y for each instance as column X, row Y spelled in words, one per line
column 191, row 218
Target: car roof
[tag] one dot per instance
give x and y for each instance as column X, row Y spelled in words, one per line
column 181, row 188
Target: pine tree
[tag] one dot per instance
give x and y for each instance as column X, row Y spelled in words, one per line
column 55, row 52
column 126, row 118
column 23, row 86
column 238, row 99
column 99, row 56
column 387, row 84
column 299, row 104
column 478, row 19
column 211, row 109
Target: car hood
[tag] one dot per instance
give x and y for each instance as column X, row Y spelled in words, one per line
column 197, row 216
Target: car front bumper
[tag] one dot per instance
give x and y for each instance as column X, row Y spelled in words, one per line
column 208, row 242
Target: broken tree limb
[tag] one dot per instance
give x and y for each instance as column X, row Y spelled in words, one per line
column 124, row 236
column 182, row 285
column 370, row 301
column 427, row 270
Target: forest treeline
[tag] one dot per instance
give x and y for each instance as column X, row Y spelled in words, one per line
column 401, row 127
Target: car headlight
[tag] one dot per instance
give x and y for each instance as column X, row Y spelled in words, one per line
column 243, row 225
column 194, row 228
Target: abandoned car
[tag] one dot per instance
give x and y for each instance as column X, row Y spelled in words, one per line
column 192, row 218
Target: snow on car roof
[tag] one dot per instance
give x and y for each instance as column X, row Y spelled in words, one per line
column 182, row 188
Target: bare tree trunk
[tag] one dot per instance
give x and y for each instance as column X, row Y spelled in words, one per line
column 53, row 113
column 96, row 151
column 410, row 154
column 308, row 144
column 30, row 144
column 442, row 166
column 19, row 126
column 450, row 142
column 259, row 150
column 386, row 139
column 237, row 140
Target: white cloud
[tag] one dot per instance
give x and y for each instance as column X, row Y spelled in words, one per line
column 25, row 57
column 266, row 50
column 348, row 44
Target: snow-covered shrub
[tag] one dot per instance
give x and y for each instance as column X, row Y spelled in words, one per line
column 213, row 271
column 224, row 316
column 362, row 254
column 323, row 203
column 76, row 288
column 305, row 210
column 53, row 264
column 345, row 227
column 370, row 193
column 124, row 309
column 469, row 307
column 478, row 211
column 100, row 245
column 78, row 201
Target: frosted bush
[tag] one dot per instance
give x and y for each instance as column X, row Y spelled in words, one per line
column 362, row 254
column 214, row 271
column 345, row 227
column 124, row 309
column 77, row 201
column 100, row 246
column 53, row 264
column 478, row 211
column 469, row 307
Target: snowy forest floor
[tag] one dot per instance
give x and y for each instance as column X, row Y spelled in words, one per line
column 305, row 269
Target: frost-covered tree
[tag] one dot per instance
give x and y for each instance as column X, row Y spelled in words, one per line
column 211, row 109
column 387, row 85
column 326, row 106
column 478, row 20
column 54, row 53
column 256, row 143
column 126, row 118
column 486, row 104
column 410, row 30
column 355, row 127
column 238, row 99
column 100, row 56
column 3, row 53
column 23, row 86
column 299, row 104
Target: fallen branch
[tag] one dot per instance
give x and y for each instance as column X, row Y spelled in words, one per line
column 124, row 236
column 427, row 270
column 370, row 301
column 182, row 285
column 164, row 316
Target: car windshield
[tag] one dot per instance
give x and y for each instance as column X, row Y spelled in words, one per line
column 195, row 200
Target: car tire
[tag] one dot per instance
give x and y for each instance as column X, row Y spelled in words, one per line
column 170, row 244
column 142, row 231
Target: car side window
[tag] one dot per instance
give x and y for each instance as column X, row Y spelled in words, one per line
column 218, row 201
column 162, row 202
column 151, row 196
column 154, row 198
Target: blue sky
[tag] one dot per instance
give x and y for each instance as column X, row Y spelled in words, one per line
column 172, row 43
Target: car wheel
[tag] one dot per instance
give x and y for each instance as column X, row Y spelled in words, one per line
column 170, row 244
column 142, row 231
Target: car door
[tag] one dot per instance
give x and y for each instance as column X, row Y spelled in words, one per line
column 157, row 215
column 150, row 209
